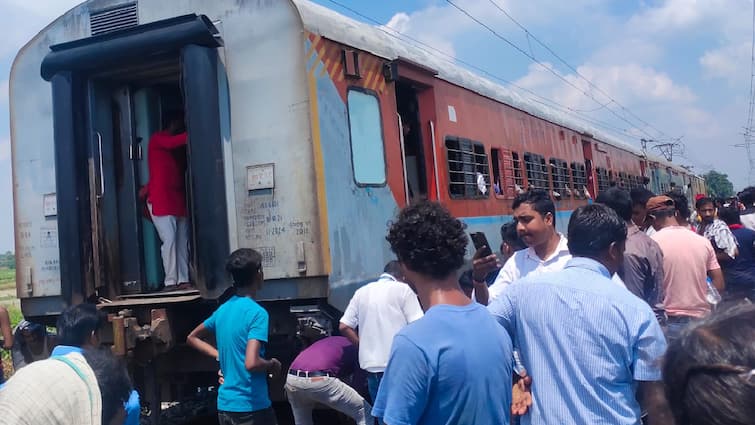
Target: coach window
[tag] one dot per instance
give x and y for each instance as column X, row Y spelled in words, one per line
column 468, row 171
column 603, row 179
column 560, row 177
column 537, row 171
column 517, row 165
column 579, row 178
column 365, row 128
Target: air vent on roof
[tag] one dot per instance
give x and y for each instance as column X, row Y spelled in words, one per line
column 113, row 19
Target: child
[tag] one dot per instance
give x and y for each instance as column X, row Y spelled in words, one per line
column 240, row 327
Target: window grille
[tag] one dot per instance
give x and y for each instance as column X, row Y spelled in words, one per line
column 603, row 179
column 466, row 161
column 537, row 171
column 560, row 177
column 579, row 177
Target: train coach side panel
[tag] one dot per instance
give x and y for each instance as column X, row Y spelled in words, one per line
column 33, row 163
column 357, row 215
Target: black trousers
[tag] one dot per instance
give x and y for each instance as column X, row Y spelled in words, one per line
column 258, row 417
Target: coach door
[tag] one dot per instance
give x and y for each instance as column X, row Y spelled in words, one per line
column 415, row 107
column 108, row 93
column 589, row 172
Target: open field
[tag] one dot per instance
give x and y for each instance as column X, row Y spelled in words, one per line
column 9, row 301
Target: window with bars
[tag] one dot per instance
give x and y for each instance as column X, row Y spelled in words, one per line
column 623, row 182
column 603, row 179
column 537, row 171
column 517, row 165
column 560, row 177
column 468, row 169
column 579, row 178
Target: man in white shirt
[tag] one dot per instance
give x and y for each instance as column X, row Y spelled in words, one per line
column 535, row 215
column 375, row 314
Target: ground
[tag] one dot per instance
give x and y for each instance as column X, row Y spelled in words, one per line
column 9, row 300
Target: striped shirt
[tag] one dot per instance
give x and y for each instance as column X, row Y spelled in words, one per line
column 585, row 342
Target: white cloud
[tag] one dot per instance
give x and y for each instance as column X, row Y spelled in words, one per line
column 4, row 149
column 729, row 62
column 627, row 84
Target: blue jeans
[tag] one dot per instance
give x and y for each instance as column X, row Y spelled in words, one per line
column 675, row 325
column 373, row 384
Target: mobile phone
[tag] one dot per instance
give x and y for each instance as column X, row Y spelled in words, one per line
column 479, row 240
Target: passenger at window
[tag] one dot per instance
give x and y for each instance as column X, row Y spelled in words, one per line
column 166, row 198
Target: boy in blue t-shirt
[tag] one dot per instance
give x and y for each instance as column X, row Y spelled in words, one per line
column 454, row 365
column 240, row 326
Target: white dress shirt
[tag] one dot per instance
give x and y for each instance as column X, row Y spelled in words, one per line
column 525, row 262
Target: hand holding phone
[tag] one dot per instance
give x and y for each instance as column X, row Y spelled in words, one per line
column 480, row 241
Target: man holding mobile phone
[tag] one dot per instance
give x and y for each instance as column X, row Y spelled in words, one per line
column 535, row 217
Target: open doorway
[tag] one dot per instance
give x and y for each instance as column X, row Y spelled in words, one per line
column 108, row 96
column 128, row 107
column 407, row 105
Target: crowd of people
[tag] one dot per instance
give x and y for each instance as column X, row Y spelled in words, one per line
column 641, row 313
column 612, row 323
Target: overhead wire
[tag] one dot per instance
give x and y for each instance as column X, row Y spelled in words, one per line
column 547, row 68
column 431, row 50
column 572, row 68
column 534, row 96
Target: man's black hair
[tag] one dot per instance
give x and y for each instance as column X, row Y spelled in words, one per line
column 663, row 213
column 428, row 240
column 747, row 196
column 76, row 324
column 618, row 200
column 708, row 370
column 112, row 379
column 539, row 200
column 702, row 201
column 592, row 229
column 393, row 268
column 243, row 266
column 729, row 216
column 681, row 204
column 172, row 116
column 511, row 236
column 640, row 196
column 466, row 280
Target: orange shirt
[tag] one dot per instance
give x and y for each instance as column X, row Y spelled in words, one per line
column 687, row 258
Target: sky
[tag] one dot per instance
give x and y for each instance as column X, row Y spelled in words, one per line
column 655, row 69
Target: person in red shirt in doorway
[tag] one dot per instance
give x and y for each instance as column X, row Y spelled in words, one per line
column 166, row 198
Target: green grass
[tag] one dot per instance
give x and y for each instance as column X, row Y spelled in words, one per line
column 8, row 299
column 7, row 278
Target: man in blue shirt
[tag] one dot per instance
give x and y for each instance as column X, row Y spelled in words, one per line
column 77, row 331
column 240, row 326
column 454, row 365
column 592, row 348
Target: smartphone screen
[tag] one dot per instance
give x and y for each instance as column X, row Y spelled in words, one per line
column 479, row 240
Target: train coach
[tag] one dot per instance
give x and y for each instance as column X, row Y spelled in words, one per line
column 308, row 131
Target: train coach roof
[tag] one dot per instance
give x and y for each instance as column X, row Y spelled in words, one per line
column 334, row 26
